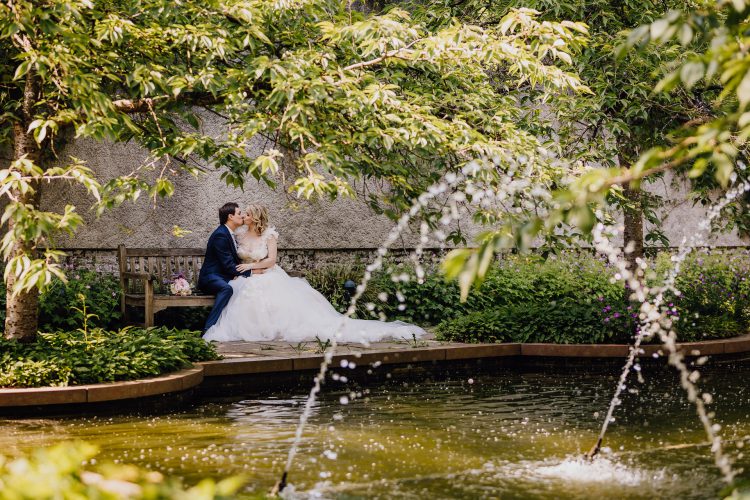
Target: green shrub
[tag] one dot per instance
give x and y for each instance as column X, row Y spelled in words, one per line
column 73, row 358
column 714, row 299
column 33, row 373
column 330, row 280
column 574, row 299
column 425, row 303
column 515, row 286
column 517, row 279
column 58, row 302
column 562, row 322
column 59, row 472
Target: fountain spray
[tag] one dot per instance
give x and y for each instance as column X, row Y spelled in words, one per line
column 654, row 322
column 450, row 180
column 483, row 197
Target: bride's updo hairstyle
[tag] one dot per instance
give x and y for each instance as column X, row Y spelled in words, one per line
column 259, row 215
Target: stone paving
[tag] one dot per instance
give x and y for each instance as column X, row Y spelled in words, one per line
column 280, row 349
column 259, row 351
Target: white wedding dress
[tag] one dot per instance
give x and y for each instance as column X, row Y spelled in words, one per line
column 276, row 306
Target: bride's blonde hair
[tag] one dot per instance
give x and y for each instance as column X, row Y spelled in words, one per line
column 259, row 215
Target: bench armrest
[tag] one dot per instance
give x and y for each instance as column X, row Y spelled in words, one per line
column 138, row 276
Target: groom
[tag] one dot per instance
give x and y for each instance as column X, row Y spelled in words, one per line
column 221, row 261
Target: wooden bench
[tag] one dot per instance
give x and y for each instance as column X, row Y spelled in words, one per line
column 145, row 274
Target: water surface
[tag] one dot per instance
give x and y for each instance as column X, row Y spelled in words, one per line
column 505, row 434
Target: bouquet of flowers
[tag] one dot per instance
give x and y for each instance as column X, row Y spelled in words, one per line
column 180, row 285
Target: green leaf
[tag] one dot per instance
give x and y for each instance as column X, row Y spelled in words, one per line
column 686, row 34
column 22, row 69
column 659, row 28
column 35, row 124
column 691, row 73
column 743, row 90
column 164, row 187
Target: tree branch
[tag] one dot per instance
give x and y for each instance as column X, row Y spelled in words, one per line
column 378, row 60
column 633, row 176
column 146, row 104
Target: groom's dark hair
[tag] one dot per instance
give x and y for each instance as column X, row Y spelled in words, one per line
column 227, row 210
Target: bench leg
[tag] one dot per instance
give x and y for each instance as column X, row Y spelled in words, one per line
column 149, row 317
column 148, row 314
column 124, row 313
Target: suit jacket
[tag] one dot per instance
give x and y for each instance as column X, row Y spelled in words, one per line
column 221, row 256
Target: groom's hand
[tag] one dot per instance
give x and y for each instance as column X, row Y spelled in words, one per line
column 259, row 271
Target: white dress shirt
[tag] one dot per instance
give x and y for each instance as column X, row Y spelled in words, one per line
column 234, row 237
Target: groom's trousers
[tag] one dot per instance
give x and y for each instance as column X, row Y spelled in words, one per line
column 216, row 285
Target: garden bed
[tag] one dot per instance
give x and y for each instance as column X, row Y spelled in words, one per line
column 83, row 357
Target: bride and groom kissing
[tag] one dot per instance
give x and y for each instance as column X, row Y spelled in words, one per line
column 257, row 301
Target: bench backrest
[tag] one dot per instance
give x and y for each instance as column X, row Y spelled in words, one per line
column 162, row 263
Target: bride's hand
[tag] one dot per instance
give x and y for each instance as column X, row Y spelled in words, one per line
column 244, row 267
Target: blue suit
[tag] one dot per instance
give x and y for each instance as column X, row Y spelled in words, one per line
column 218, row 269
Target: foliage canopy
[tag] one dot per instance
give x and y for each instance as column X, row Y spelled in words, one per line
column 337, row 94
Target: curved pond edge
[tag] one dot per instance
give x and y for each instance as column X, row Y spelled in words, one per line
column 212, row 376
column 255, row 364
column 100, row 393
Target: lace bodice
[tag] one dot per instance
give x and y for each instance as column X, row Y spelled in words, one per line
column 256, row 249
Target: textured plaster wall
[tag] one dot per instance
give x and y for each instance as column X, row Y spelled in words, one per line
column 681, row 218
column 343, row 228
column 341, row 224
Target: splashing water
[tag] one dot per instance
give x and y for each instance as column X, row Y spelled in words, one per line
column 481, row 197
column 654, row 321
column 570, row 470
column 601, row 470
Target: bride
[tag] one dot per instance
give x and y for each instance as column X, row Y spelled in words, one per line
column 275, row 306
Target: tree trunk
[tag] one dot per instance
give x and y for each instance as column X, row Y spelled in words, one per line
column 21, row 312
column 633, row 231
column 632, row 212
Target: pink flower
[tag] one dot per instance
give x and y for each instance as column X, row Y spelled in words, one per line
column 180, row 286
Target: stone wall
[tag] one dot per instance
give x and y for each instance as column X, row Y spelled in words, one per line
column 105, row 260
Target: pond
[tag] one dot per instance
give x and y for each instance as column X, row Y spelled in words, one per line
column 460, row 435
